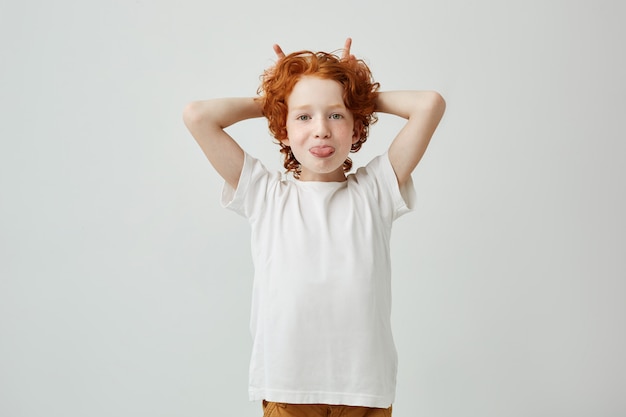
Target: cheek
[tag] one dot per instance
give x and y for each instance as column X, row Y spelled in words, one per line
column 352, row 133
column 297, row 134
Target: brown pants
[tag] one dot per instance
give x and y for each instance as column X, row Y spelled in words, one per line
column 272, row 409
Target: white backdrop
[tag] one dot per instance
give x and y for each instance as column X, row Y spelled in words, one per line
column 125, row 287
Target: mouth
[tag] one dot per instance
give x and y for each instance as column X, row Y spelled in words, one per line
column 322, row 151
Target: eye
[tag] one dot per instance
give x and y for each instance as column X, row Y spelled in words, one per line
column 336, row 116
column 303, row 117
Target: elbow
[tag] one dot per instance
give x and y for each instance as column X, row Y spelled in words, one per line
column 434, row 106
column 192, row 114
column 429, row 104
column 437, row 103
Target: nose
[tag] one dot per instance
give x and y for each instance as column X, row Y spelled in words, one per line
column 321, row 129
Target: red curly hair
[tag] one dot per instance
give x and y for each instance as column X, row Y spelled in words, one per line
column 354, row 75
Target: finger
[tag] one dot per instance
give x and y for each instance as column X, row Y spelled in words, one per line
column 346, row 49
column 278, row 51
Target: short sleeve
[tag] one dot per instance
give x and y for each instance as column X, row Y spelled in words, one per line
column 380, row 172
column 247, row 199
column 232, row 197
column 404, row 197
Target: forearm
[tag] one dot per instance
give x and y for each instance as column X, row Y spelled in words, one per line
column 221, row 112
column 406, row 104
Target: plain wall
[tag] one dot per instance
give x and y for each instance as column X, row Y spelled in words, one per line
column 125, row 287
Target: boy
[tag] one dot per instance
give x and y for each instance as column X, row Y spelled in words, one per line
column 321, row 307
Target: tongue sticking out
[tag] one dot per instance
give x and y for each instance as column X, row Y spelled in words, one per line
column 322, row 151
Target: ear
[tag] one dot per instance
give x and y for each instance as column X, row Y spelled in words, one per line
column 355, row 132
column 285, row 141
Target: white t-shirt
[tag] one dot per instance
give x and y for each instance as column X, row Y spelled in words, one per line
column 321, row 299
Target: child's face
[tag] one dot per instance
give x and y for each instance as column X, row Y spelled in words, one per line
column 320, row 129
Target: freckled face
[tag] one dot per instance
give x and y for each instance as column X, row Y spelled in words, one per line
column 320, row 129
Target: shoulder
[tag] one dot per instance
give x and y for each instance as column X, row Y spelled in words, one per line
column 378, row 170
column 379, row 179
column 255, row 182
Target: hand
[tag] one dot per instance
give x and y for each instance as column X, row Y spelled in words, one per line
column 345, row 56
column 278, row 51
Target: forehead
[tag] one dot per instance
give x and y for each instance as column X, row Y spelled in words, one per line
column 314, row 90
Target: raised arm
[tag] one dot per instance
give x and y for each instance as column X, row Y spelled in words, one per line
column 206, row 120
column 423, row 111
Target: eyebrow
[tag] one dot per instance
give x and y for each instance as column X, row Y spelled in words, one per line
column 308, row 106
